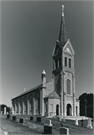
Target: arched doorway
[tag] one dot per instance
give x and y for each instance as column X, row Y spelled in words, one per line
column 57, row 109
column 69, row 110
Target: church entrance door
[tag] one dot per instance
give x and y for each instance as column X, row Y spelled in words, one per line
column 69, row 110
column 57, row 109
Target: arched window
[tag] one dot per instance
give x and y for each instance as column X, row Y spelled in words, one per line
column 20, row 108
column 69, row 63
column 25, row 105
column 66, row 61
column 31, row 104
column 68, row 86
column 16, row 107
column 37, row 103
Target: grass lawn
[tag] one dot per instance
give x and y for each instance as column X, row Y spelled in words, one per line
column 73, row 129
column 14, row 128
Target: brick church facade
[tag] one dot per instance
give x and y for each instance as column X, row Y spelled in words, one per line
column 55, row 97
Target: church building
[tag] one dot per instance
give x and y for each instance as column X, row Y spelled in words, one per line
column 55, row 97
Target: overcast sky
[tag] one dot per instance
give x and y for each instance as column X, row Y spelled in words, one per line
column 29, row 30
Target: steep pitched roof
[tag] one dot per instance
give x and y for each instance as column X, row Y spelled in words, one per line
column 62, row 34
column 27, row 91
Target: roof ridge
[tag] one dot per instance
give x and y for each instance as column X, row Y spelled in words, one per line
column 27, row 91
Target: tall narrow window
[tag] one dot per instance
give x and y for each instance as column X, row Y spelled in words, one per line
column 68, row 86
column 69, row 63
column 66, row 61
column 56, row 64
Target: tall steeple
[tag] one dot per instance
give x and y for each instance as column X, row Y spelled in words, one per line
column 43, row 76
column 62, row 34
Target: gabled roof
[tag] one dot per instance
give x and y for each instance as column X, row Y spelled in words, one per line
column 53, row 95
column 27, row 91
column 69, row 45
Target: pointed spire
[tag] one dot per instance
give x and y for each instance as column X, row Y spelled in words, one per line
column 43, row 72
column 62, row 10
column 62, row 34
column 43, row 76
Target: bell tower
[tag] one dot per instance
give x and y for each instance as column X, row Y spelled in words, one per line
column 58, row 55
column 63, row 69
